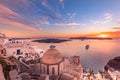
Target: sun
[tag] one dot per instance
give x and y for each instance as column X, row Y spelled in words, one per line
column 103, row 35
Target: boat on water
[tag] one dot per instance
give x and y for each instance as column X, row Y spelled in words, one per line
column 87, row 46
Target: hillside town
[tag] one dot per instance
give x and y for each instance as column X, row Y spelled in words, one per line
column 20, row 60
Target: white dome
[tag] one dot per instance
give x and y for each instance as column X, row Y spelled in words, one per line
column 51, row 56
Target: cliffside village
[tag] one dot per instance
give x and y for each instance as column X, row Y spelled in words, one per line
column 20, row 60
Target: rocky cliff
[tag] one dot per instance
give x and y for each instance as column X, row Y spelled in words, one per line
column 113, row 64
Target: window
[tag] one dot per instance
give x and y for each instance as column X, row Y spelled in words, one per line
column 44, row 69
column 2, row 51
column 18, row 51
column 53, row 70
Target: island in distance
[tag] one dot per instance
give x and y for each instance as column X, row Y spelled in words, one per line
column 51, row 40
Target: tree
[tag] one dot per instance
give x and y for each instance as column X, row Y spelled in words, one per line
column 91, row 73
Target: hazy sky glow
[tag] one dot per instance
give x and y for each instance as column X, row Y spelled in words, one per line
column 59, row 18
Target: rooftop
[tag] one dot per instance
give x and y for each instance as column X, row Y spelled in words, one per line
column 52, row 56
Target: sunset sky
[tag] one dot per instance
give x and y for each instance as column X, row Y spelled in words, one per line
column 60, row 18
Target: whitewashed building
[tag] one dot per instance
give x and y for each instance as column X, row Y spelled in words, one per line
column 52, row 62
column 2, row 38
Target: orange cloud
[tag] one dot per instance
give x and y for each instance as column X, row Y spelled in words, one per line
column 115, row 34
column 14, row 2
column 8, row 17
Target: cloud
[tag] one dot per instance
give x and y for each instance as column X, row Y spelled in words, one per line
column 44, row 22
column 68, row 24
column 117, row 21
column 117, row 28
column 52, row 9
column 95, row 21
column 49, row 16
column 71, row 15
column 45, row 4
column 107, row 17
column 14, row 2
column 11, row 18
column 30, row 8
column 6, row 12
column 62, row 3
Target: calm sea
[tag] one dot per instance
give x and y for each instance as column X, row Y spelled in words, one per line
column 96, row 57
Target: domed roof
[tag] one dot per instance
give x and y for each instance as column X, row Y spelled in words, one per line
column 51, row 56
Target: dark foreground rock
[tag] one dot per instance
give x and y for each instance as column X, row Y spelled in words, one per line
column 114, row 64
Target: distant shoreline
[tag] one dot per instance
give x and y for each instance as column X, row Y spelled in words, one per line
column 87, row 38
column 59, row 40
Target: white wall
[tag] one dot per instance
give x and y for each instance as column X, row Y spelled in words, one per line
column 55, row 68
column 42, row 69
column 50, row 69
column 61, row 68
column 1, row 41
column 1, row 73
column 12, row 50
